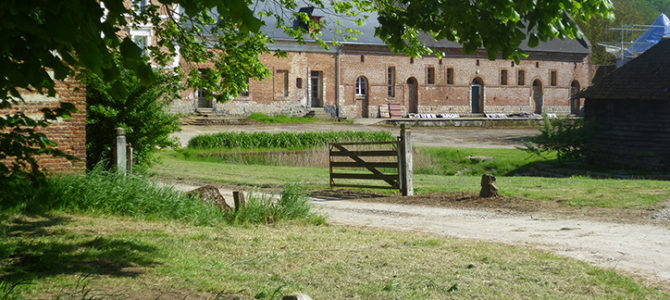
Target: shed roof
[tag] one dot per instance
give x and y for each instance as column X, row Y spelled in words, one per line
column 367, row 36
column 646, row 77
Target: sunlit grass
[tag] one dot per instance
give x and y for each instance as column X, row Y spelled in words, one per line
column 579, row 191
column 67, row 255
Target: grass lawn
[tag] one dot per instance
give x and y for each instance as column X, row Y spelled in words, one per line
column 475, row 161
column 80, row 257
column 263, row 118
column 580, row 191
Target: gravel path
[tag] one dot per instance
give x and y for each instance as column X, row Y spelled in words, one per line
column 640, row 250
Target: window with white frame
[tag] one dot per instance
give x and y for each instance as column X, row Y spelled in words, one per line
column 361, row 87
column 140, row 5
column 141, row 41
column 142, row 38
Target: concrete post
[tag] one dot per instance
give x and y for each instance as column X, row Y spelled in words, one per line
column 120, row 151
column 406, row 168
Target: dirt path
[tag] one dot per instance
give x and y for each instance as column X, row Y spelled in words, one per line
column 640, row 250
column 423, row 136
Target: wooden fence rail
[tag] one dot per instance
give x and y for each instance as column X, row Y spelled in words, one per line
column 342, row 150
column 396, row 170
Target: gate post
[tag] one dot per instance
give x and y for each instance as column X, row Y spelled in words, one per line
column 120, row 159
column 405, row 158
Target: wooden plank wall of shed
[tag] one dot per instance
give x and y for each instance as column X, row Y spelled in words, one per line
column 630, row 133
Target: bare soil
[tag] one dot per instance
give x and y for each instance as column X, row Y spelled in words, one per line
column 506, row 205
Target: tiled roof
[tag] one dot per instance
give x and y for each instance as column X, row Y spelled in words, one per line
column 646, row 77
column 367, row 37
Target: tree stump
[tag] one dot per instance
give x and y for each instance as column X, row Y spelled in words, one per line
column 211, row 194
column 489, row 187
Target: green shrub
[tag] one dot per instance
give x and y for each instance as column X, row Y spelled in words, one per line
column 292, row 205
column 263, row 118
column 566, row 137
column 110, row 193
column 283, row 140
column 142, row 110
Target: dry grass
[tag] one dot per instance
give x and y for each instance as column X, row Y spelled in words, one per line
column 126, row 258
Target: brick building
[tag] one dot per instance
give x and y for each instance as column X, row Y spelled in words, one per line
column 69, row 134
column 358, row 77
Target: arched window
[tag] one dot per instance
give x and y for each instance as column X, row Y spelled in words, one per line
column 361, row 87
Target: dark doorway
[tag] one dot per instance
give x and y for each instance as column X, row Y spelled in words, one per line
column 362, row 94
column 538, row 97
column 201, row 94
column 316, row 84
column 203, row 102
column 477, row 95
column 412, row 87
column 574, row 100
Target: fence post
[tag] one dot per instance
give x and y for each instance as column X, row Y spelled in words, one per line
column 130, row 159
column 406, row 168
column 239, row 199
column 120, row 150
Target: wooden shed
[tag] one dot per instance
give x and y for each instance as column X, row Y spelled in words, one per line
column 630, row 109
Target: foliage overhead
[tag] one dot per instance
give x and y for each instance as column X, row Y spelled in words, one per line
column 498, row 26
column 67, row 36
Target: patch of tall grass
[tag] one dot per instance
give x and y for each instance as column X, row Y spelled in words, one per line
column 109, row 193
column 292, row 205
column 263, row 118
column 283, row 140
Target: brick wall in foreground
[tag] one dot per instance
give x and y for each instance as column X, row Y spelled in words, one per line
column 69, row 134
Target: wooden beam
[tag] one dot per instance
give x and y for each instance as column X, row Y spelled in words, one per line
column 346, row 152
column 390, row 178
column 366, row 186
column 353, row 164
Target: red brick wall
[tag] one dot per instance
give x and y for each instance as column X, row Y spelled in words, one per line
column 441, row 97
column 69, row 134
column 267, row 96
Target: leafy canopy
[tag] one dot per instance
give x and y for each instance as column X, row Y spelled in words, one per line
column 65, row 36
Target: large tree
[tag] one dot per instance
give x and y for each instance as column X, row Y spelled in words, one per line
column 65, row 37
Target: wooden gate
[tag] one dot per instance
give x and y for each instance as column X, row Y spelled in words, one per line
column 378, row 164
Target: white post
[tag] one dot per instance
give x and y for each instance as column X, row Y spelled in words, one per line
column 120, row 151
column 406, row 168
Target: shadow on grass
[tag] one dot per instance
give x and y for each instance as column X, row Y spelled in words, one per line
column 554, row 168
column 32, row 250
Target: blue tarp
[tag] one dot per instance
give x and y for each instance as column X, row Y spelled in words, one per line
column 653, row 35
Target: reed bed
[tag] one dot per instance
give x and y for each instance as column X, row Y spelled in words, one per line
column 284, row 140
